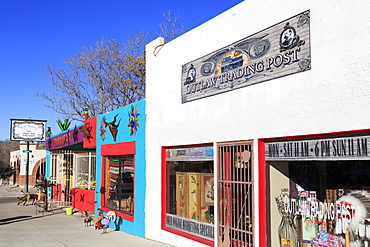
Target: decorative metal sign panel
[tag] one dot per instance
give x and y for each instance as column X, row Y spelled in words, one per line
column 347, row 148
column 190, row 153
column 280, row 50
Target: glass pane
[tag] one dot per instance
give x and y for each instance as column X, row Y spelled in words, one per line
column 82, row 179
column 190, row 190
column 310, row 199
column 120, row 171
column 93, row 168
column 85, row 168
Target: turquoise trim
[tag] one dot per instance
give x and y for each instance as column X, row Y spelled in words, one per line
column 124, row 135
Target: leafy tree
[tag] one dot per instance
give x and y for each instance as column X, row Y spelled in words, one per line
column 6, row 172
column 104, row 77
column 5, row 148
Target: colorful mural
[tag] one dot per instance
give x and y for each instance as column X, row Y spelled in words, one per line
column 133, row 120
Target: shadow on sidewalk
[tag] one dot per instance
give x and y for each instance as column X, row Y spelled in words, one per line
column 16, row 219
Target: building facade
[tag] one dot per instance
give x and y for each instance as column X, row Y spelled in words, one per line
column 121, row 166
column 36, row 159
column 71, row 167
column 258, row 128
column 100, row 166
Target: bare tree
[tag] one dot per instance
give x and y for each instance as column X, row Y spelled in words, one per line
column 103, row 78
column 170, row 29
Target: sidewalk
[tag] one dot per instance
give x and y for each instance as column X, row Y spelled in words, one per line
column 23, row 226
column 14, row 191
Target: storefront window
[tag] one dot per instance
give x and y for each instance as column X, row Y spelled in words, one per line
column 190, row 190
column 85, row 171
column 119, row 181
column 320, row 192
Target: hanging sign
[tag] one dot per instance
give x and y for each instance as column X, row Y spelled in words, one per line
column 27, row 130
column 280, row 50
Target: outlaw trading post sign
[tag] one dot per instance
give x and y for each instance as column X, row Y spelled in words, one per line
column 280, row 50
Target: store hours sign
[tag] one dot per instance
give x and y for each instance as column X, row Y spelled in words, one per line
column 280, row 50
column 347, row 148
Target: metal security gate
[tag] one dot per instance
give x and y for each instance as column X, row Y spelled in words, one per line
column 235, row 194
column 61, row 176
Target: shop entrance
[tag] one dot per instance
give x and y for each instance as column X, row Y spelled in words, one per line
column 235, row 193
column 318, row 190
column 61, row 176
column 71, row 170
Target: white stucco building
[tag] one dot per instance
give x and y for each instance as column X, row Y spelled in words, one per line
column 296, row 130
column 18, row 160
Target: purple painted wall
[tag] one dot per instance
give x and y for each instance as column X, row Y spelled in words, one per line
column 65, row 139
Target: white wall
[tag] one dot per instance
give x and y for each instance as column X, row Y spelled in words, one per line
column 37, row 154
column 333, row 96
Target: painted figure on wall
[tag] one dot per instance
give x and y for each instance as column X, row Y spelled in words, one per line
column 113, row 127
column 86, row 129
column 133, row 120
column 102, row 128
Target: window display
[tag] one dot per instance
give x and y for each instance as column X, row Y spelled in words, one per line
column 190, row 190
column 191, row 193
column 119, row 182
column 85, row 171
column 320, row 192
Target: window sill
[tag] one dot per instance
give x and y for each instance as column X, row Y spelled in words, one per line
column 119, row 214
column 189, row 236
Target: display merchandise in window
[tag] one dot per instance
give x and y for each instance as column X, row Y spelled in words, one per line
column 85, row 171
column 120, row 174
column 320, row 203
column 191, row 190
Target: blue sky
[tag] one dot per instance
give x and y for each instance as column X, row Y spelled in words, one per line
column 34, row 33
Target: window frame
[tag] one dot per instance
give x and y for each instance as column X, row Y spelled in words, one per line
column 164, row 197
column 116, row 149
column 91, row 156
column 108, row 193
column 264, row 183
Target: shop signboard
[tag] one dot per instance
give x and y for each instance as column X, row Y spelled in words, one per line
column 277, row 51
column 71, row 137
column 27, row 130
column 344, row 148
column 195, row 227
column 190, row 153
